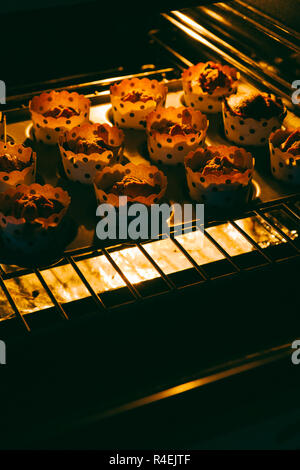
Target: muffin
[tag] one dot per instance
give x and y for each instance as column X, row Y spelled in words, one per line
column 206, row 84
column 173, row 132
column 17, row 165
column 56, row 112
column 133, row 99
column 219, row 175
column 88, row 148
column 29, row 215
column 285, row 155
column 249, row 118
column 139, row 183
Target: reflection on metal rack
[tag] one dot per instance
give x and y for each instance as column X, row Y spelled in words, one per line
column 114, row 276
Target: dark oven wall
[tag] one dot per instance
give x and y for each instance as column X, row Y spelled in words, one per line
column 68, row 40
column 70, row 37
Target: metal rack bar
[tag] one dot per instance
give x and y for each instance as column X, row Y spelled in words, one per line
column 50, row 294
column 258, row 24
column 221, row 250
column 168, row 281
column 274, row 226
column 13, row 305
column 290, row 211
column 190, row 259
column 102, row 82
column 253, row 243
column 274, row 22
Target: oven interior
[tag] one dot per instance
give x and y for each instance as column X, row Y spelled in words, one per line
column 123, row 320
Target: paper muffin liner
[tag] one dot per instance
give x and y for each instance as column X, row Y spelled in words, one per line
column 133, row 115
column 31, row 236
column 110, row 175
column 82, row 168
column 207, row 102
column 248, row 131
column 284, row 165
column 48, row 129
column 171, row 150
column 219, row 190
column 16, row 177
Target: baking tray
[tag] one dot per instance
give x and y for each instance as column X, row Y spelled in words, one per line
column 78, row 230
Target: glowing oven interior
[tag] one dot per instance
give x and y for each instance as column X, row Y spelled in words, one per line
column 180, row 261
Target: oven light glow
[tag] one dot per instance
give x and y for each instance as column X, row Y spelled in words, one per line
column 167, row 256
column 100, row 113
column 134, row 265
column 230, row 239
column 261, row 232
column 5, row 308
column 199, row 247
column 28, row 293
column 65, row 284
column 100, row 274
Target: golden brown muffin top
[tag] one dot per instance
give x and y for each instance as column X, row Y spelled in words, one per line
column 221, row 164
column 213, row 76
column 132, row 186
column 138, row 95
column 33, row 206
column 61, row 111
column 98, row 143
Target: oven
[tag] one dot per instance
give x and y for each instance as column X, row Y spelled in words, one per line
column 166, row 343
